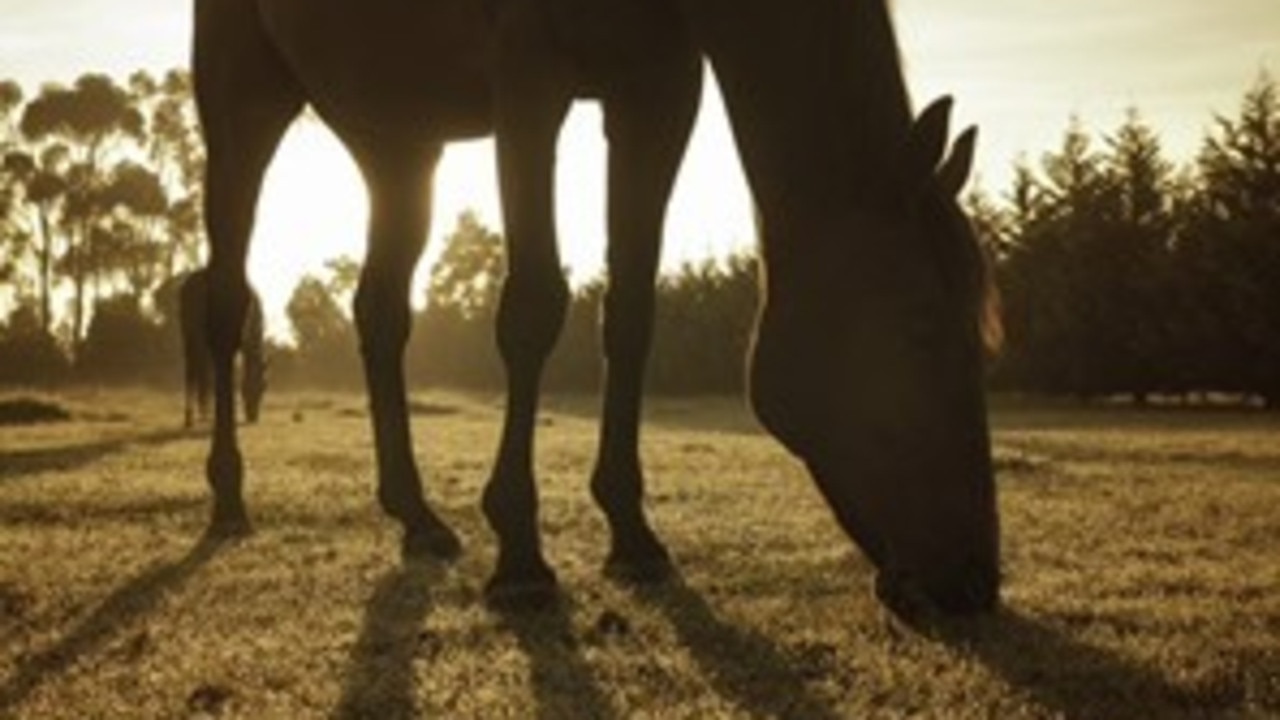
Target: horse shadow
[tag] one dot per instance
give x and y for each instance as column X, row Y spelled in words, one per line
column 742, row 665
column 123, row 608
column 1066, row 677
column 379, row 680
column 563, row 683
column 18, row 463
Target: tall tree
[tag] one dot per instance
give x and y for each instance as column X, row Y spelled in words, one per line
column 176, row 154
column 129, row 239
column 454, row 339
column 322, row 333
column 37, row 184
column 13, row 238
column 1235, row 240
column 1058, row 214
column 468, row 275
column 1146, row 310
column 92, row 119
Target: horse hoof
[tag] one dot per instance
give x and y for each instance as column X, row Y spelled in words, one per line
column 528, row 589
column 431, row 543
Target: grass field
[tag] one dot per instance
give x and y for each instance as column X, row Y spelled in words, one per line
column 1142, row 556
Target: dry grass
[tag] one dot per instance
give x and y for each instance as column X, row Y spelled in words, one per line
column 1141, row 553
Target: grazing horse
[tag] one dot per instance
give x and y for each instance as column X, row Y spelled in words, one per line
column 197, row 361
column 867, row 360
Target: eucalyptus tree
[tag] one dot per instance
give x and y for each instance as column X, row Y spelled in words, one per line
column 94, row 120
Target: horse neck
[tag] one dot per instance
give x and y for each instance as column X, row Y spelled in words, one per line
column 856, row 70
column 821, row 118
column 876, row 73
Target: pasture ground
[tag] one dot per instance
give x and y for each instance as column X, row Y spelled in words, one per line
column 1142, row 555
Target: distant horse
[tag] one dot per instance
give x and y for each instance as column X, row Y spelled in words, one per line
column 197, row 360
column 867, row 360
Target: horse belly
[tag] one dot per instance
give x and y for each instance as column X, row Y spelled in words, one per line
column 605, row 40
column 389, row 67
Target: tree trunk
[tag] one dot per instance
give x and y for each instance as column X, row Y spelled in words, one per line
column 78, row 278
column 46, row 272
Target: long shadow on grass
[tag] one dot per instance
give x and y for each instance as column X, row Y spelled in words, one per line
column 743, row 665
column 380, row 678
column 1065, row 676
column 117, row 612
column 563, row 684
column 72, row 512
column 17, row 463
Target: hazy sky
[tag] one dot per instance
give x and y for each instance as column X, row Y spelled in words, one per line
column 1018, row 68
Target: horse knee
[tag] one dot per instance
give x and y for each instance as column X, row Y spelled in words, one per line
column 531, row 314
column 382, row 319
column 628, row 320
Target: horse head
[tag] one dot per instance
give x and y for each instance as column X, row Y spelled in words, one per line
column 868, row 365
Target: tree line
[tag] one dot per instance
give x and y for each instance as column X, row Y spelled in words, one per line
column 99, row 214
column 1121, row 272
column 1125, row 274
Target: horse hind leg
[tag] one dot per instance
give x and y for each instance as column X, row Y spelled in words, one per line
column 648, row 120
column 399, row 181
column 246, row 99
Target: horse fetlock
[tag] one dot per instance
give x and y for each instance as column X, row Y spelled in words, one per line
column 521, row 580
column 224, row 469
column 511, row 508
column 225, row 473
column 405, row 504
column 618, row 490
column 425, row 534
column 432, row 539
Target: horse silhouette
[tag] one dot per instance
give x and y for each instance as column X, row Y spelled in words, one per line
column 867, row 358
column 197, row 361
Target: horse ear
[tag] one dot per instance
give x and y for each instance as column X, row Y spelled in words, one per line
column 928, row 138
column 956, row 168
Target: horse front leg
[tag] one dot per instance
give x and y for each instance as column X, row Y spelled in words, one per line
column 399, row 176
column 246, row 100
column 648, row 119
column 531, row 102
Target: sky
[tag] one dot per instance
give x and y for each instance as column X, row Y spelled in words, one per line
column 1020, row 69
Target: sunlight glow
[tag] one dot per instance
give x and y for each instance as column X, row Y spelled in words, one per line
column 314, row 207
